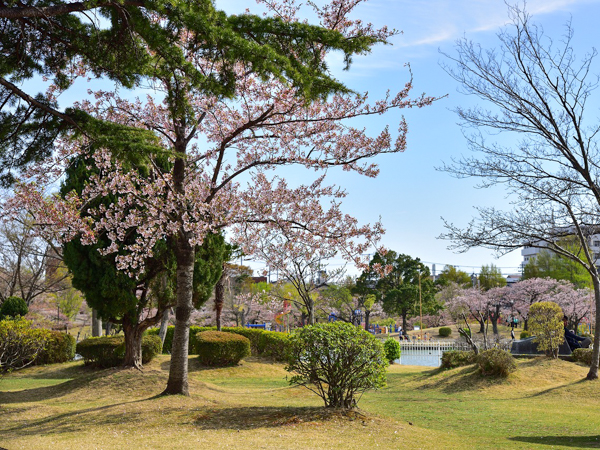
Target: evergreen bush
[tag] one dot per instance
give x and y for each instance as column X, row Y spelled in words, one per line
column 445, row 331
column 496, row 362
column 60, row 348
column 269, row 344
column 218, row 348
column 19, row 343
column 392, row 349
column 13, row 307
column 337, row 361
column 457, row 358
column 109, row 351
column 525, row 334
column 583, row 355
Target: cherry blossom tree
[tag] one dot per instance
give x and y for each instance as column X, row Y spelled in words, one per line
column 576, row 304
column 223, row 155
column 527, row 292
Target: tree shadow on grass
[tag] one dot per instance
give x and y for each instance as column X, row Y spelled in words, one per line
column 253, row 417
column 80, row 420
column 592, row 441
column 460, row 380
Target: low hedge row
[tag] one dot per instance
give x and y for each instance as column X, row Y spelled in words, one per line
column 217, row 348
column 60, row 348
column 108, row 351
column 270, row 344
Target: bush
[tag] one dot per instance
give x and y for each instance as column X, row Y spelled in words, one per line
column 101, row 351
column 337, row 361
column 109, row 351
column 545, row 322
column 269, row 344
column 13, row 307
column 457, row 358
column 218, row 348
column 496, row 362
column 583, row 355
column 19, row 343
column 60, row 348
column 525, row 334
column 445, row 331
column 392, row 349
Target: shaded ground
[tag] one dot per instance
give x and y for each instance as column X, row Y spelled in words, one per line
column 544, row 405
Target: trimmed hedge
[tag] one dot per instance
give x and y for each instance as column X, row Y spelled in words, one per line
column 583, row 355
column 218, row 348
column 496, row 362
column 108, row 351
column 60, row 348
column 269, row 344
column 445, row 331
column 457, row 358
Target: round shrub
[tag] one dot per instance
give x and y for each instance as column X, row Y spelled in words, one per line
column 392, row 349
column 457, row 358
column 583, row 355
column 101, row 351
column 525, row 334
column 217, row 348
column 496, row 362
column 445, row 331
column 60, row 348
column 13, row 307
column 19, row 343
column 337, row 361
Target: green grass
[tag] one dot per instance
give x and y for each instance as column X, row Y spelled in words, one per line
column 544, row 405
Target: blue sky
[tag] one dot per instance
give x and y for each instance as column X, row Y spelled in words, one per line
column 409, row 194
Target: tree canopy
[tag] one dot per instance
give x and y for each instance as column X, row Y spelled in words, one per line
column 126, row 42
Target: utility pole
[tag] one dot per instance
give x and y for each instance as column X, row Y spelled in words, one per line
column 420, row 307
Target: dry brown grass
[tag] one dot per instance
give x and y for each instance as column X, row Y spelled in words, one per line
column 247, row 406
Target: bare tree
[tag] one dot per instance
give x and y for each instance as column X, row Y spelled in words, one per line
column 537, row 89
column 28, row 264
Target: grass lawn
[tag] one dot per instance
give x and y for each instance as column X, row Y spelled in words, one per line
column 68, row 406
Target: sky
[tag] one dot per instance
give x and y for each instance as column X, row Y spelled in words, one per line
column 409, row 194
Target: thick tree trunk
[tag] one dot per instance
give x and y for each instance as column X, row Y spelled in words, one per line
column 164, row 324
column 96, row 324
column 178, row 371
column 593, row 373
column 219, row 299
column 404, row 323
column 367, row 314
column 133, row 344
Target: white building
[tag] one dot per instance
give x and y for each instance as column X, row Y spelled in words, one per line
column 528, row 253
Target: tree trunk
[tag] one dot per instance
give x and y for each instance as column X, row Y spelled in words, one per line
column 219, row 298
column 178, row 371
column 404, row 323
column 593, row 373
column 367, row 314
column 133, row 344
column 96, row 324
column 164, row 324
